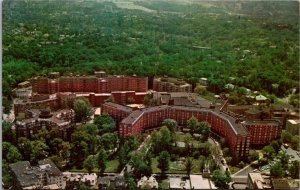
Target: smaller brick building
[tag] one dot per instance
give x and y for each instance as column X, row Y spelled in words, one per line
column 116, row 111
column 44, row 119
column 171, row 85
column 262, row 132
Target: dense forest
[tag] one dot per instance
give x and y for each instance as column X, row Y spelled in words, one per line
column 249, row 44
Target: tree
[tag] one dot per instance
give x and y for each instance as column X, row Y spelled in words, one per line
column 79, row 147
column 82, row 109
column 166, row 138
column 276, row 170
column 122, row 157
column 163, row 161
column 220, row 179
column 109, row 141
column 7, row 105
column 161, row 140
column 25, row 147
column 294, row 169
column 294, row 100
column 90, row 129
column 131, row 184
column 204, row 129
column 286, row 136
column 105, row 124
column 55, row 146
column 8, row 134
column 284, row 159
column 192, row 124
column 101, row 160
column 10, row 152
column 253, row 155
column 171, row 124
column 141, row 168
column 269, row 151
column 276, row 145
column 89, row 163
column 295, row 142
column 39, row 151
column 188, row 166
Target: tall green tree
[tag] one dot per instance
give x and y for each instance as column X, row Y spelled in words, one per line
column 10, row 153
column 220, row 179
column 82, row 109
column 109, row 141
column 39, row 151
column 8, row 134
column 131, row 184
column 269, row 151
column 276, row 170
column 163, row 161
column 105, row 124
column 122, row 156
column 89, row 163
column 192, row 124
column 294, row 169
column 171, row 124
column 189, row 165
column 101, row 160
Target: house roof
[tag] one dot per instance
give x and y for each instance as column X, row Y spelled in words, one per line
column 48, row 166
column 118, row 106
column 26, row 174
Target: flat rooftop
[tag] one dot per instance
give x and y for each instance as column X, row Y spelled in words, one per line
column 198, row 182
column 118, row 106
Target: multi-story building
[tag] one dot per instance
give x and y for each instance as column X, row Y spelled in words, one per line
column 263, row 132
column 116, row 111
column 100, row 83
column 221, row 123
column 60, row 100
column 43, row 176
column 52, row 92
column 171, row 85
column 44, row 119
column 239, row 133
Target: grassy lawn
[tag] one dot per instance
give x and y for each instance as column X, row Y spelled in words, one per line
column 164, row 184
column 182, row 136
column 112, row 166
column 233, row 169
column 154, row 167
column 196, row 166
column 175, row 167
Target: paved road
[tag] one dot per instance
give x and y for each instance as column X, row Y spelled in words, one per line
column 244, row 171
column 239, row 179
column 224, row 166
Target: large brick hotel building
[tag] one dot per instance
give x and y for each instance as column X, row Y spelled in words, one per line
column 240, row 133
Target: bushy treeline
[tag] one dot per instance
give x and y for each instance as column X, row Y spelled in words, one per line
column 197, row 41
